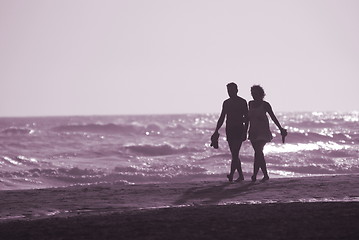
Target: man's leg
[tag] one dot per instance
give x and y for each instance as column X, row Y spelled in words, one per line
column 234, row 147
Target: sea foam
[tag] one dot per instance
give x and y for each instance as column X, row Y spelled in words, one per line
column 63, row 151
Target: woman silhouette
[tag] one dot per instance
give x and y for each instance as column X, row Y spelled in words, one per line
column 259, row 132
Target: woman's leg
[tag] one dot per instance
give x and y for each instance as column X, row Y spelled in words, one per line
column 263, row 164
column 264, row 169
column 259, row 161
column 255, row 162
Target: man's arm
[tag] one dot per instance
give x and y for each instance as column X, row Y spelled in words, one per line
column 246, row 122
column 221, row 119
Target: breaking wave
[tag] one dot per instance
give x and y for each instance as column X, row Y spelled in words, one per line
column 159, row 150
column 16, row 131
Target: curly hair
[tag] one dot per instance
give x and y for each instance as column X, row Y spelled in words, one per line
column 257, row 92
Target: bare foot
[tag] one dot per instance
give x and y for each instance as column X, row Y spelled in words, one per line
column 266, row 178
column 240, row 179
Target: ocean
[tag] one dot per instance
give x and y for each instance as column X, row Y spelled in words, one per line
column 48, row 152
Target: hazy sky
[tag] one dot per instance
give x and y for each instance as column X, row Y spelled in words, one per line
column 84, row 57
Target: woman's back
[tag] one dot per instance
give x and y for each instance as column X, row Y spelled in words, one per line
column 258, row 120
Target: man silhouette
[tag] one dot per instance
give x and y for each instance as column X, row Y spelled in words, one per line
column 235, row 111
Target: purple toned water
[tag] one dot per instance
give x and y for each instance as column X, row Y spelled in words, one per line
column 64, row 151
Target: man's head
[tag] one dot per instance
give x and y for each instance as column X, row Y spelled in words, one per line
column 232, row 89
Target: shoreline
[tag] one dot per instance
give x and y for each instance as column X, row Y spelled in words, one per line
column 320, row 220
column 115, row 198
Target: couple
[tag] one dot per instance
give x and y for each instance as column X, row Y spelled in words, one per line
column 238, row 118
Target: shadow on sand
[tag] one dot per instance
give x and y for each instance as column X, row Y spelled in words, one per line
column 216, row 193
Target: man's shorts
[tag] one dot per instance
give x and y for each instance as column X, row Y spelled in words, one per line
column 235, row 133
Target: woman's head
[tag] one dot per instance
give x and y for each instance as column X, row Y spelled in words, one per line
column 257, row 92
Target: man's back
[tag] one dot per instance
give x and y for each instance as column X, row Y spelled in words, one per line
column 236, row 110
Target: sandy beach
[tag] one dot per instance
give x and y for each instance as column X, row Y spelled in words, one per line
column 259, row 221
column 284, row 208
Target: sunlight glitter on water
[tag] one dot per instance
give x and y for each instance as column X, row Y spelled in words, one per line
column 286, row 148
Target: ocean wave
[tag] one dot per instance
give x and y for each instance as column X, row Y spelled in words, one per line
column 58, row 177
column 111, row 128
column 310, row 169
column 17, row 131
column 318, row 169
column 74, row 172
column 303, row 137
column 50, row 177
column 168, row 169
column 65, row 151
column 176, row 127
column 159, row 150
column 161, row 173
column 18, row 161
column 99, row 128
column 312, row 124
column 78, row 172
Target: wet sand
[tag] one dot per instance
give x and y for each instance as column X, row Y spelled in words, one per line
column 323, row 207
column 110, row 198
column 328, row 220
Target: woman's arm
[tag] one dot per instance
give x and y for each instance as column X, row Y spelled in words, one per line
column 283, row 131
column 269, row 110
